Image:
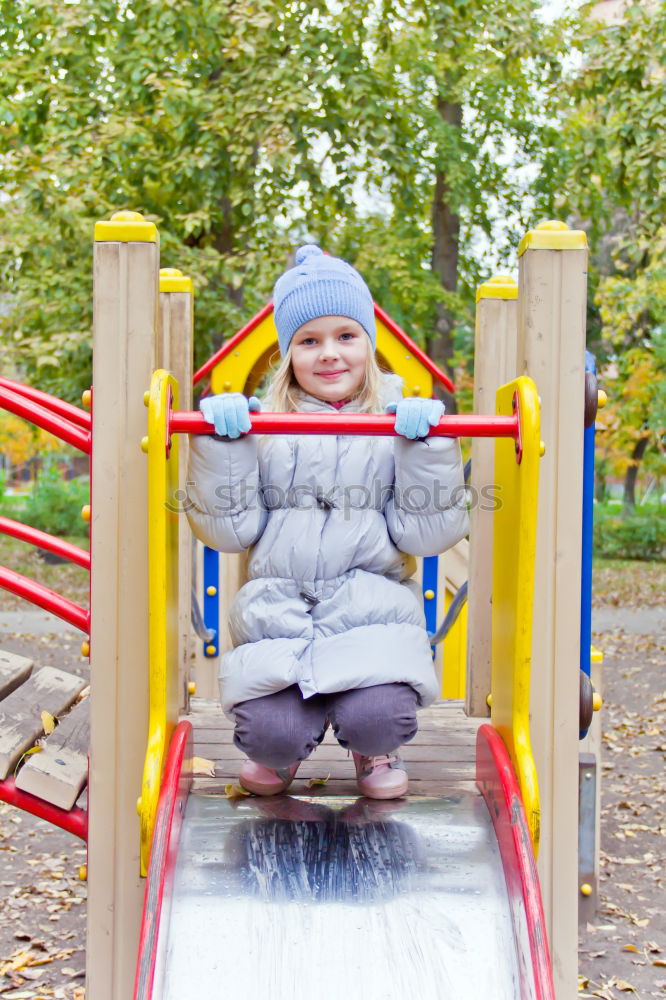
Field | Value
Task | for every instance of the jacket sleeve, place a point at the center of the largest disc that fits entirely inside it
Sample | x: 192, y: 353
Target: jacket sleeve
x: 224, y: 503
x: 427, y: 513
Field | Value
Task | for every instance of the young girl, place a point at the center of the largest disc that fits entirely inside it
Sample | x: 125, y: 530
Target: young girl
x: 329, y: 628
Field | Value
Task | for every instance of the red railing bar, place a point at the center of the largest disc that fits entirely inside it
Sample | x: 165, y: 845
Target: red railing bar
x: 231, y: 344
x: 73, y: 820
x: 59, y: 406
x: 356, y: 423
x: 37, y: 414
x: 45, y: 598
x: 45, y: 541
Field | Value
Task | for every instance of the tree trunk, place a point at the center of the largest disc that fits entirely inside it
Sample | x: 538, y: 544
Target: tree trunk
x: 631, y: 475
x: 446, y: 230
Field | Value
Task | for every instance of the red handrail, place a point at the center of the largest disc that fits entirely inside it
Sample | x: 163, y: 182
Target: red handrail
x: 73, y: 820
x: 72, y: 553
x: 463, y: 425
x: 58, y: 406
x: 45, y: 598
x: 45, y: 418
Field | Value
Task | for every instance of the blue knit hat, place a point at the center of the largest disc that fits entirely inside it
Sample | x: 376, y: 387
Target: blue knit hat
x: 320, y: 285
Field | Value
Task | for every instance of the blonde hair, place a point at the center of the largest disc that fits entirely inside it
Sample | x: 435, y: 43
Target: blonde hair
x: 283, y: 393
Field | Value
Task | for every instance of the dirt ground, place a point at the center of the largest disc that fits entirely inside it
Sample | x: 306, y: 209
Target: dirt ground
x: 622, y: 953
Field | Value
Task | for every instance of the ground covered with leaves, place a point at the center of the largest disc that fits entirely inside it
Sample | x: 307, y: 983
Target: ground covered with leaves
x: 622, y: 953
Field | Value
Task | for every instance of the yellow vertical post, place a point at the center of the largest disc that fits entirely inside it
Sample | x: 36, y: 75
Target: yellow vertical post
x: 126, y: 263
x: 551, y: 342
x: 494, y: 365
x: 174, y: 353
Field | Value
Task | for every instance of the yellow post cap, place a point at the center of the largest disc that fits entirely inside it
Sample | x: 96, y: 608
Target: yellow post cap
x: 552, y: 234
x: 126, y: 227
x: 500, y: 286
x: 86, y: 398
x: 85, y: 512
x: 173, y: 280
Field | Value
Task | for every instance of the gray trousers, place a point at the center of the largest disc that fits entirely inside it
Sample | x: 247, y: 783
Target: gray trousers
x: 281, y: 728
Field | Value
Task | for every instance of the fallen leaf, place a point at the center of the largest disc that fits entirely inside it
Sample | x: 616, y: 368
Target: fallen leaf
x: 201, y: 765
x: 48, y: 722
x: 314, y: 782
x: 235, y: 791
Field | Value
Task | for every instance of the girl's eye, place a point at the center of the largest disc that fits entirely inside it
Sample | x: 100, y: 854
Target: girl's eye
x: 352, y: 335
x: 308, y: 340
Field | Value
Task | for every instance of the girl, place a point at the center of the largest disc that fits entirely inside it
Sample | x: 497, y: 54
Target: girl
x: 329, y: 627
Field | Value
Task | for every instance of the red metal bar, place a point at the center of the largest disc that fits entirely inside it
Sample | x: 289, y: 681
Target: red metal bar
x: 45, y: 598
x: 356, y: 423
x: 73, y: 820
x: 72, y: 553
x: 414, y: 349
x: 232, y: 343
x: 170, y: 810
x: 499, y: 786
x: 45, y: 418
x: 74, y: 414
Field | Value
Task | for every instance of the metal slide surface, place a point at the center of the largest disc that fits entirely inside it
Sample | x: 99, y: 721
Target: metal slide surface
x: 295, y: 898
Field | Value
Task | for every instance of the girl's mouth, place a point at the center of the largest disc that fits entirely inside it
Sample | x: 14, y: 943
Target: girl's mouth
x: 330, y: 374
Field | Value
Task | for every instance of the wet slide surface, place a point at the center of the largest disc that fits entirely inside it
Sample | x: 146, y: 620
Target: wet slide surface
x: 339, y: 897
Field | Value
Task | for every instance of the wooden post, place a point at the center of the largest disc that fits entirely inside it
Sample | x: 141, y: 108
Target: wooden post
x: 126, y: 264
x: 494, y: 365
x: 551, y: 346
x: 174, y: 353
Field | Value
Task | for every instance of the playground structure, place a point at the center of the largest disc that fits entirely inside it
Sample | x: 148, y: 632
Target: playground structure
x: 143, y: 328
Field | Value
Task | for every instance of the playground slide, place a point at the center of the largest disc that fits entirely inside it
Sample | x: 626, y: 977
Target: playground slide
x: 340, y: 897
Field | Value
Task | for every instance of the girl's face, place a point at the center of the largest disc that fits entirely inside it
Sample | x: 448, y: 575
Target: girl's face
x: 329, y: 356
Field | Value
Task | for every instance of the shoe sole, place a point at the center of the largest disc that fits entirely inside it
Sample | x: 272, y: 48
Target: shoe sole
x: 385, y: 793
x: 257, y: 789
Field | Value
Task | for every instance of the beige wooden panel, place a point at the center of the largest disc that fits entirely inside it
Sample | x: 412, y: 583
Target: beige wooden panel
x: 60, y: 771
x: 47, y: 690
x: 494, y: 365
x: 125, y: 313
x: 174, y: 353
x: 14, y: 670
x: 551, y: 340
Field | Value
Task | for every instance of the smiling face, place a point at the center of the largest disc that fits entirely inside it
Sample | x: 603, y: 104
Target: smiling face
x: 328, y: 356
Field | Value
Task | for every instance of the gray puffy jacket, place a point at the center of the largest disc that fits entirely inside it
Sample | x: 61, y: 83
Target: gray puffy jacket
x: 332, y: 520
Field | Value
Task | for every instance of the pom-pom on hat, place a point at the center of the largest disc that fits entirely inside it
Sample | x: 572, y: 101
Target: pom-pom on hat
x: 320, y: 285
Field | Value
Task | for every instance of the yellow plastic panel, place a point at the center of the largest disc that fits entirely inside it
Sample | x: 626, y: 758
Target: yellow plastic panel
x: 553, y: 235
x: 126, y: 227
x: 514, y: 550
x: 454, y: 667
x: 163, y: 600
x: 500, y: 286
x: 173, y: 280
x: 244, y: 368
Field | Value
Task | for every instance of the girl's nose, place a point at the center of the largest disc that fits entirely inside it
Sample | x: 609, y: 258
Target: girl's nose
x: 329, y: 349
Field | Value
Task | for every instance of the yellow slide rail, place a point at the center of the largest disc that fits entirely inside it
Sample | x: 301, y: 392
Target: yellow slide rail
x: 514, y: 553
x: 163, y: 596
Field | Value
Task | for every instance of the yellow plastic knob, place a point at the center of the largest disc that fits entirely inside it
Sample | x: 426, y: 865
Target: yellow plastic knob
x: 145, y: 445
x: 227, y: 386
x: 146, y: 397
x: 211, y: 591
x: 586, y: 889
x: 602, y: 399
x: 597, y: 701
x: 489, y: 701
x: 428, y: 594
x: 542, y: 449
x: 211, y: 650
x: 191, y: 688
x: 85, y: 512
x: 83, y: 873
x: 138, y: 806
x: 85, y: 648
x: 417, y: 390
x: 86, y: 398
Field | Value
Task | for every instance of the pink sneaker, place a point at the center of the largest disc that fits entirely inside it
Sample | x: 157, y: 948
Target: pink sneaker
x: 382, y: 777
x: 263, y: 780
